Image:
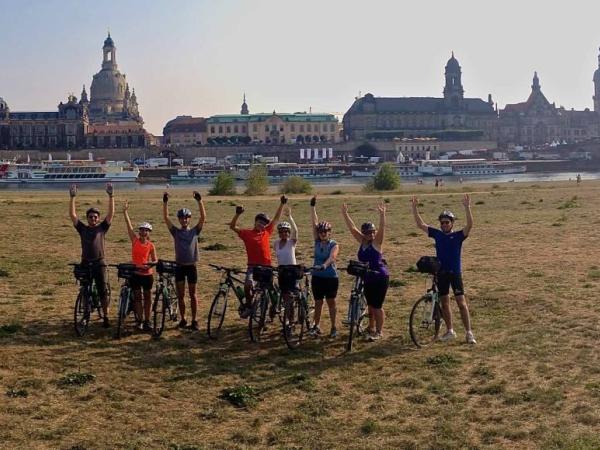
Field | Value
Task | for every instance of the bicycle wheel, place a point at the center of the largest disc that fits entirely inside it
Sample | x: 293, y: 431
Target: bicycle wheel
x: 354, y: 312
x: 159, y: 312
x: 425, y: 321
x: 216, y: 314
x: 81, y: 313
x: 293, y: 320
x: 123, y: 310
x: 256, y: 321
x: 173, y: 302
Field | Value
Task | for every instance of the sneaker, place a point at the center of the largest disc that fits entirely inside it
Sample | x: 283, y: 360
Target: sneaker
x: 333, y: 334
x: 315, y: 331
x: 470, y: 338
x: 346, y: 321
x: 194, y: 326
x: 139, y: 326
x: 182, y: 323
x: 105, y: 323
x: 375, y: 336
x: 450, y: 335
x: 146, y: 326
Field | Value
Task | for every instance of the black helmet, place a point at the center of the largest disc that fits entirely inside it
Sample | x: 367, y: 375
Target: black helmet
x: 446, y: 214
x: 323, y: 226
x: 262, y: 217
x: 184, y: 212
x: 92, y: 211
x: 367, y: 226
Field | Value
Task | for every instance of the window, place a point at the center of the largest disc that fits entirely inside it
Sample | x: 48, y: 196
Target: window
x: 309, y: 127
x: 228, y: 129
x: 254, y: 128
x: 301, y: 128
x: 244, y: 129
x: 235, y: 129
x: 293, y: 127
x: 220, y: 129
x: 212, y: 129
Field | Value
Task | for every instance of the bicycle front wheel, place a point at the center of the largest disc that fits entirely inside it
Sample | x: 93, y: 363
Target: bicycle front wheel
x: 122, y: 311
x: 216, y: 314
x: 293, y: 319
x: 256, y: 321
x: 81, y: 313
x: 425, y: 321
x: 354, y: 313
x: 159, y: 311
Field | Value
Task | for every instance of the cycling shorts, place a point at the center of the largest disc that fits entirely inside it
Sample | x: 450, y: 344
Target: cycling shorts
x: 144, y: 282
x: 323, y: 287
x: 447, y: 279
x: 188, y: 272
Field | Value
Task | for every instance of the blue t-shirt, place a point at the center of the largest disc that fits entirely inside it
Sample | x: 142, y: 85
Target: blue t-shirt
x: 448, y: 247
x: 186, y: 245
x: 322, y: 252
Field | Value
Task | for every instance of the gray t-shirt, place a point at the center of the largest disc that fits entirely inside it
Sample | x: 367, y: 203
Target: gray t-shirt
x: 186, y: 244
x: 92, y: 240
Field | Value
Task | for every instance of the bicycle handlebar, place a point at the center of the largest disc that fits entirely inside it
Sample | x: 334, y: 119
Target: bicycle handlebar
x: 227, y: 269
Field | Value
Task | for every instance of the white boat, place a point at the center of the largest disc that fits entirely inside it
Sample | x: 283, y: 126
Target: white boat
x: 73, y: 171
x: 486, y: 168
x: 208, y: 173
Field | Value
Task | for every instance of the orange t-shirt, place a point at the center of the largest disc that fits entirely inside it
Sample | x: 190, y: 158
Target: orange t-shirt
x: 140, y: 253
x: 258, y: 246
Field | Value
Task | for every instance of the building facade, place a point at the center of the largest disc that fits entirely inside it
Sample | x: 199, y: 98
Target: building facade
x: 452, y: 117
x: 416, y: 149
x: 185, y: 130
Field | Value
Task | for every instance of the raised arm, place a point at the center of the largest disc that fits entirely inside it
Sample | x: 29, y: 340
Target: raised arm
x: 239, y: 210
x: 282, y: 201
x: 381, y: 230
x: 72, y: 211
x: 294, y: 231
x: 130, y: 231
x: 418, y: 220
x: 313, y: 216
x: 202, y: 211
x: 355, y: 232
x: 111, y: 203
x: 469, y: 214
x: 166, y: 211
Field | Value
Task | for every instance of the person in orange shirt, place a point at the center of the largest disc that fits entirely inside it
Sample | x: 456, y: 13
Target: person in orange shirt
x: 258, y: 246
x: 142, y: 252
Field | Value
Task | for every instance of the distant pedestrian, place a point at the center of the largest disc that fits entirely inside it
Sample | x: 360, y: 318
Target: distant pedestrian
x: 437, y: 183
x: 578, y: 179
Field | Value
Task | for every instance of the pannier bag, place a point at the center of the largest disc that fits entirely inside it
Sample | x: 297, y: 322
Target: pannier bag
x: 357, y: 269
x: 428, y: 264
x: 262, y: 274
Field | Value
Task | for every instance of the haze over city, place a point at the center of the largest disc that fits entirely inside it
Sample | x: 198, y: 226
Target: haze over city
x: 200, y: 57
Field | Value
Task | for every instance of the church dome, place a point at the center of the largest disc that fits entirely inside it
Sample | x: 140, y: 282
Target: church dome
x: 108, y: 42
x: 452, y: 63
x: 3, y: 104
x: 108, y: 85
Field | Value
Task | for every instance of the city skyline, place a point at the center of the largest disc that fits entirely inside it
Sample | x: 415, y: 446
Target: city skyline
x: 200, y: 58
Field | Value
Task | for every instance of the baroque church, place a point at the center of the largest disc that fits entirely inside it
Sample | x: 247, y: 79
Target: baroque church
x: 452, y: 117
x: 109, y: 118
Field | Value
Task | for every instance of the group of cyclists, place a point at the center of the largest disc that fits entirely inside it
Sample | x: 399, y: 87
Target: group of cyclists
x: 257, y: 242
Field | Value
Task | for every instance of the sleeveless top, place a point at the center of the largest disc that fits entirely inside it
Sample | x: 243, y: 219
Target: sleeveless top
x: 375, y: 260
x: 322, y: 252
x: 140, y: 254
x: 286, y: 255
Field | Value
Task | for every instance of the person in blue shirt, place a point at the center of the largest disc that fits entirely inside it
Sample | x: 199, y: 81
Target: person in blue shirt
x: 448, y: 246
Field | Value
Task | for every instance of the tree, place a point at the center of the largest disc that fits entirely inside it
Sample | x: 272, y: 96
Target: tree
x: 257, y: 182
x: 224, y: 184
x: 386, y: 179
x: 296, y: 185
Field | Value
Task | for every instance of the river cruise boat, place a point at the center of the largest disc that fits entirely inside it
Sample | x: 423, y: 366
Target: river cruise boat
x: 72, y: 171
x: 280, y: 171
x: 475, y: 168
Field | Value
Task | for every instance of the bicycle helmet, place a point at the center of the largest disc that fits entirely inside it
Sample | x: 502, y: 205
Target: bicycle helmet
x: 446, y: 214
x: 92, y: 211
x: 323, y: 226
x: 367, y: 226
x: 184, y: 212
x: 262, y: 217
x: 145, y: 225
x: 283, y: 226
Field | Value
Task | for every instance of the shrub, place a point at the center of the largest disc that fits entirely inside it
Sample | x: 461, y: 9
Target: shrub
x: 215, y: 247
x: 76, y: 379
x: 224, y: 184
x: 296, y: 185
x: 240, y: 396
x: 386, y: 179
x: 336, y: 192
x: 257, y: 182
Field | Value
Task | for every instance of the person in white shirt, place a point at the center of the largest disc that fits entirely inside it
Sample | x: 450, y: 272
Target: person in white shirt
x: 285, y: 252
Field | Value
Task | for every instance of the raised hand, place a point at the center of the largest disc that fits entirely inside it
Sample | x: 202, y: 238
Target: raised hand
x: 288, y: 211
x: 109, y: 189
x: 73, y: 190
x: 283, y: 199
x: 467, y: 201
x: 345, y: 208
x: 414, y: 201
x: 197, y: 196
x: 381, y: 208
x: 166, y: 197
x: 126, y: 206
x: 239, y: 209
x: 313, y: 201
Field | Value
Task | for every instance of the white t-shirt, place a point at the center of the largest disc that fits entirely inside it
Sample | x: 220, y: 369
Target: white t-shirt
x: 286, y: 255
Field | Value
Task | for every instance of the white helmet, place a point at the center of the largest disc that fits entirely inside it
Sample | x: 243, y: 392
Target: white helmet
x: 145, y: 225
x: 283, y: 226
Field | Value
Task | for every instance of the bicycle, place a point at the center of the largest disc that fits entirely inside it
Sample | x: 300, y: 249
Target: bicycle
x: 126, y: 299
x: 357, y: 305
x: 165, y: 296
x: 88, y: 298
x: 295, y: 306
x: 264, y: 293
x: 426, y: 315
x: 218, y: 308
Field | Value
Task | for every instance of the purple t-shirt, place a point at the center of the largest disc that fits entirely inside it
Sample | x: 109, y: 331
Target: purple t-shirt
x: 375, y: 260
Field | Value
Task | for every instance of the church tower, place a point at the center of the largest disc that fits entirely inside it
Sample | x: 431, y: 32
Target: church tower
x: 244, y: 110
x: 597, y: 87
x: 453, y: 90
x: 109, y: 51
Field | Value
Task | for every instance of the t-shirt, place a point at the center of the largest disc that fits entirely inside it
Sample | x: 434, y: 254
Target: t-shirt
x: 92, y: 240
x: 286, y: 255
x: 448, y: 247
x: 257, y: 244
x: 140, y: 255
x: 322, y: 252
x: 186, y: 245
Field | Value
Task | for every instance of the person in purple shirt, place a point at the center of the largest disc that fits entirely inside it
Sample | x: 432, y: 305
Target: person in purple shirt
x: 448, y: 246
x: 371, y: 251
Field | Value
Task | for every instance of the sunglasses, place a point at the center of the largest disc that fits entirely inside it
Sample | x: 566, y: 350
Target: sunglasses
x: 370, y: 232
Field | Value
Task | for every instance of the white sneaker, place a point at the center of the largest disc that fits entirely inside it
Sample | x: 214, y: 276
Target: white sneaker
x: 314, y: 331
x: 375, y: 337
x: 470, y: 338
x: 449, y: 336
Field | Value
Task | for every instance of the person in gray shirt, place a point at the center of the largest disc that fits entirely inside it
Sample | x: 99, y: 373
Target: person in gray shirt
x: 186, y: 255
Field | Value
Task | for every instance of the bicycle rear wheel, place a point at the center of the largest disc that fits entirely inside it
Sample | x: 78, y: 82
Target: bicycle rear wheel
x: 216, y: 314
x: 425, y: 321
x: 173, y: 302
x: 293, y: 319
x: 159, y: 312
x: 256, y: 321
x: 81, y: 313
x: 123, y: 310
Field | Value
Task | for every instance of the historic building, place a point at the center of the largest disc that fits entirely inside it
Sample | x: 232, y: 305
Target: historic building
x: 185, y: 130
x: 537, y: 122
x: 452, y: 117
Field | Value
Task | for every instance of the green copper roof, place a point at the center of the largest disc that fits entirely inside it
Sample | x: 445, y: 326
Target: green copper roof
x: 261, y: 117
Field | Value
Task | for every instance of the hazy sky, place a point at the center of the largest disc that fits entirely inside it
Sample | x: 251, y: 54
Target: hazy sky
x: 199, y: 57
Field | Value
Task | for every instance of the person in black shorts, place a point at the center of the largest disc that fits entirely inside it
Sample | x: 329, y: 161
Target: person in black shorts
x: 448, y: 246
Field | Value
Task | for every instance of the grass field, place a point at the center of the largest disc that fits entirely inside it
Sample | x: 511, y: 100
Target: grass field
x: 531, y: 275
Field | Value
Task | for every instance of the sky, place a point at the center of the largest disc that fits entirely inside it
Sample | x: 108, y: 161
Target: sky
x: 199, y: 57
